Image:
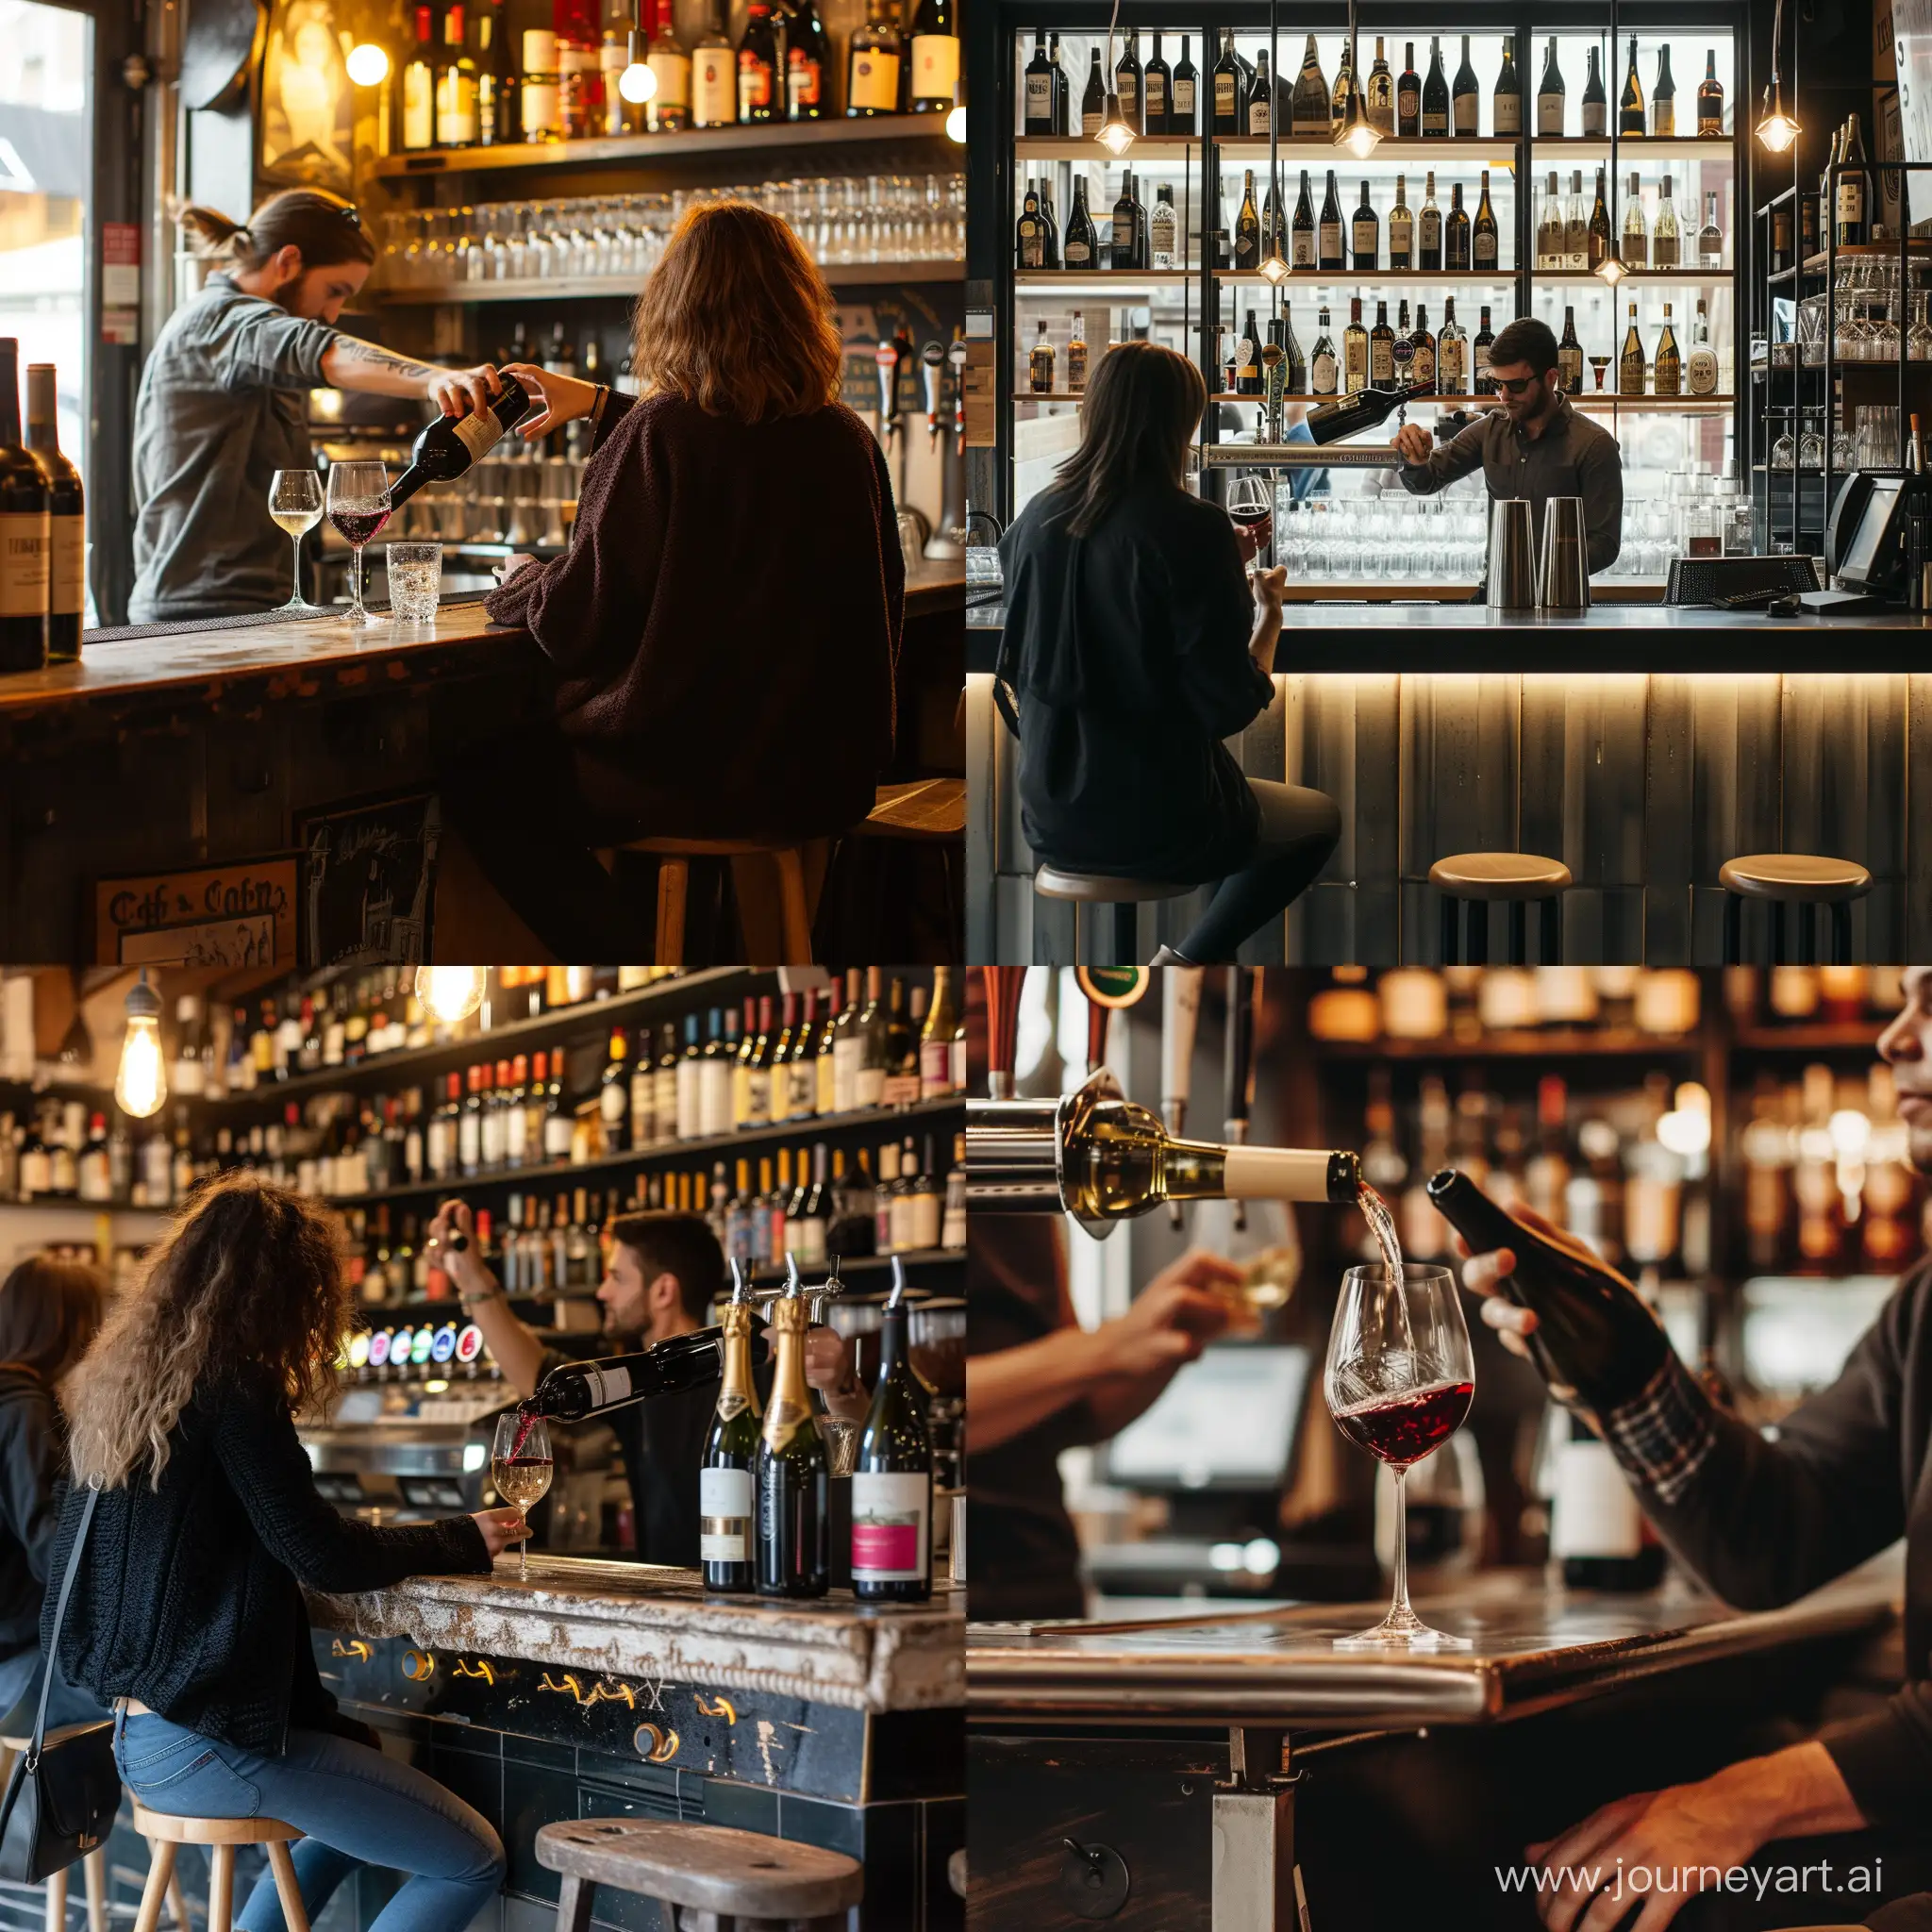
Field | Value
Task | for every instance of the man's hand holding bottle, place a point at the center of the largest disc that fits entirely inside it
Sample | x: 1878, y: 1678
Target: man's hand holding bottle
x: 452, y: 1236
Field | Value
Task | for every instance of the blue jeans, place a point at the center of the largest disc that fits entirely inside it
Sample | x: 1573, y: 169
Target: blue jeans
x: 354, y: 1806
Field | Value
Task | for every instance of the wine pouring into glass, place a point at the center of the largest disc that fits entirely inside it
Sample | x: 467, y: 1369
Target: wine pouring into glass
x: 521, y: 1467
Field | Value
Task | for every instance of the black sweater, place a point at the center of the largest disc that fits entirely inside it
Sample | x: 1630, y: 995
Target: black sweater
x: 32, y: 1465
x: 187, y: 1598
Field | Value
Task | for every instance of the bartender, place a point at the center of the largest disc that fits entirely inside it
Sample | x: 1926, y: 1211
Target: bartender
x: 224, y: 400
x: 1763, y: 1521
x: 665, y: 1272
x: 1537, y: 446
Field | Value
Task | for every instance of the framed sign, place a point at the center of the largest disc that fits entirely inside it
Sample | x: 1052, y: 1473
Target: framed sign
x: 307, y: 106
x: 239, y: 915
x: 369, y: 883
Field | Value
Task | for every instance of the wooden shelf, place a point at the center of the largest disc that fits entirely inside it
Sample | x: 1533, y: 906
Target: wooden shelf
x: 1552, y: 1042
x: 1348, y: 278
x: 1633, y: 148
x: 1105, y: 280
x: 1585, y: 278
x: 849, y: 274
x: 1074, y: 147
x: 1866, y: 251
x: 1814, y: 1036
x: 1391, y: 155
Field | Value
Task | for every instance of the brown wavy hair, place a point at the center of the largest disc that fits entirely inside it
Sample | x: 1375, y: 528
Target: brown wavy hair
x: 324, y: 226
x: 736, y: 319
x: 1143, y: 405
x: 50, y: 1312
x: 248, y: 1280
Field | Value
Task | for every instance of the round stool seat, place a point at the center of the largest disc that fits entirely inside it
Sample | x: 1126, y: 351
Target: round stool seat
x: 709, y: 1867
x: 178, y: 1830
x: 1102, y: 888
x: 1499, y: 876
x: 1795, y: 878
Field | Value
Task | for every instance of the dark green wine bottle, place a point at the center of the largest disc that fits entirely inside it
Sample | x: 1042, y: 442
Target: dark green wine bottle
x: 892, y: 1478
x: 791, y: 1476
x: 725, y: 1542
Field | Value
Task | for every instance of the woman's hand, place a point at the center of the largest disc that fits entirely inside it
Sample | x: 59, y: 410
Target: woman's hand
x: 1270, y: 586
x: 555, y: 398
x: 1249, y: 539
x: 503, y: 1529
x: 463, y: 392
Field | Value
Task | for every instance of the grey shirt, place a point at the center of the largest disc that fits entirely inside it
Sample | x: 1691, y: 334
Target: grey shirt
x: 1572, y: 457
x: 221, y: 409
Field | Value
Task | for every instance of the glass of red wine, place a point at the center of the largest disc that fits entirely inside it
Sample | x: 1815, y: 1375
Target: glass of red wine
x: 1399, y: 1382
x: 358, y: 507
x: 1251, y: 503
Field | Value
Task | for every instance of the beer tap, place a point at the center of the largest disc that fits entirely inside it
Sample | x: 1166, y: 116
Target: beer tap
x: 932, y: 364
x: 1180, y: 1008
x: 1003, y: 986
x: 947, y: 543
x: 1239, y: 1065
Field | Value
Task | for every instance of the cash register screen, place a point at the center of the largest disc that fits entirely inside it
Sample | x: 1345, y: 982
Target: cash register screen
x: 1228, y: 1421
x: 1862, y: 555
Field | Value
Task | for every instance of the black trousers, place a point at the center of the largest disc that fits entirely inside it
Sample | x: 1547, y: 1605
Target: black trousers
x: 1300, y: 828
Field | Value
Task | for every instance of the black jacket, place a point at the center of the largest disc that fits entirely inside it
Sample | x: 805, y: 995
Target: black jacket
x: 187, y: 1596
x: 32, y: 1467
x: 1127, y: 654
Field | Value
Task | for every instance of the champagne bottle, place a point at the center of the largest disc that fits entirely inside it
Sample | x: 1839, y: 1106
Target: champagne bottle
x: 725, y: 1481
x: 574, y: 1391
x: 1308, y: 110
x: 892, y: 1475
x: 1595, y: 1342
x: 1550, y: 96
x: 25, y: 531
x: 67, y: 510
x: 791, y: 1476
x: 1630, y: 103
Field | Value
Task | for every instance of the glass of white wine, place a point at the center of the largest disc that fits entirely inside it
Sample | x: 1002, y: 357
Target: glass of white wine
x: 294, y: 502
x: 520, y: 1465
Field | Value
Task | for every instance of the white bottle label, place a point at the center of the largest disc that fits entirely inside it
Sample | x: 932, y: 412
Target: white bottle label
x: 1700, y: 371
x: 469, y: 1139
x: 1549, y: 114
x: 935, y: 67
x: 1038, y: 97
x: 725, y: 1509
x: 891, y: 1528
x: 689, y: 1087
x: 1184, y: 101
x: 714, y: 1089
x: 1850, y: 199
x: 1593, y: 1511
x: 923, y: 1221
x: 608, y: 1386
x: 875, y: 81
x: 610, y: 1102
x: 1401, y: 237
x: 664, y: 1102
x: 717, y: 88
x: 1508, y: 114
x: 478, y: 432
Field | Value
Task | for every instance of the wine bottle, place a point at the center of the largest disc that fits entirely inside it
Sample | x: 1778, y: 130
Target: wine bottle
x: 725, y: 1504
x: 415, y: 95
x: 1853, y: 205
x: 67, y: 512
x: 668, y: 110
x: 1063, y: 89
x: 1596, y: 101
x: 1401, y: 349
x: 1549, y: 228
x: 1575, y: 225
x: 1260, y: 99
x: 1323, y: 366
x: 574, y: 1391
x: 934, y: 53
x: 1381, y: 353
x: 1302, y: 240
x: 1483, y: 237
x: 872, y: 66
x: 1127, y: 226
x: 1452, y: 353
x: 1027, y: 250
x: 791, y: 1476
x: 1710, y: 100
x: 1247, y: 228
x: 1700, y: 365
x: 1401, y: 227
x: 445, y: 448
x: 1126, y: 82
x: 1040, y: 359
x: 1378, y: 94
x: 1550, y: 96
x: 1329, y: 253
x: 1663, y: 99
x: 1435, y: 95
x: 1667, y: 366
x: 1248, y: 359
x: 1429, y: 228
x: 1081, y: 247
x: 1630, y: 364
x: 1422, y: 355
x: 1594, y: 1341
x: 1506, y: 103
x: 1710, y: 238
x: 1663, y: 237
x: 1164, y: 229
x: 1466, y: 97
x: 1156, y: 88
x: 758, y: 70
x: 1330, y: 423
x: 892, y: 1475
x: 499, y: 108
x: 1365, y: 234
x: 1630, y: 103
x: 1456, y: 233
x: 1181, y: 98
x: 1408, y: 96
x: 1570, y: 355
x: 715, y: 76
x: 1038, y: 116
x: 1230, y: 93
x: 1598, y: 239
x: 25, y: 531
x: 1634, y: 250
x: 1483, y: 383
x: 1354, y: 350
x: 1310, y: 107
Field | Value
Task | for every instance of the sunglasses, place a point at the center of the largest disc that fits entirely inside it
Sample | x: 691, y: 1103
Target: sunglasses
x: 1515, y: 385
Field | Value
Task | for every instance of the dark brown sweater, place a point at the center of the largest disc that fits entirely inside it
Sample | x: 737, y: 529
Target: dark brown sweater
x: 725, y: 623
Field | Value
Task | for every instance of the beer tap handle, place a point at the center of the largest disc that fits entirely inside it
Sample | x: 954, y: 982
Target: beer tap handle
x: 1097, y: 1017
x: 932, y: 360
x: 1003, y: 986
x: 1240, y: 1064
x: 740, y: 1288
x: 887, y: 358
x: 1180, y: 1008
x: 957, y: 359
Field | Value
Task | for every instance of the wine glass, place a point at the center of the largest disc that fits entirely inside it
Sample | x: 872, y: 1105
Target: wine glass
x: 1251, y: 503
x: 1399, y: 1381
x: 358, y: 507
x: 520, y: 1466
x: 294, y: 505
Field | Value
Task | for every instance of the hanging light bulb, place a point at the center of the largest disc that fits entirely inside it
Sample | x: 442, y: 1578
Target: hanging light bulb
x: 1115, y: 136
x: 1356, y: 133
x: 141, y: 1081
x: 368, y: 63
x: 1776, y: 131
x: 450, y: 993
x: 1273, y: 268
x: 1610, y: 270
x: 955, y: 117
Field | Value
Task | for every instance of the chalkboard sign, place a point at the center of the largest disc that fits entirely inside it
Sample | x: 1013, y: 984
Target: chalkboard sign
x: 243, y: 913
x: 369, y: 883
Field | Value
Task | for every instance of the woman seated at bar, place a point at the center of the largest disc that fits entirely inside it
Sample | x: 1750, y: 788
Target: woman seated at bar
x: 187, y: 1611
x: 1133, y: 646
x: 224, y: 396
x: 50, y: 1311
x: 724, y: 628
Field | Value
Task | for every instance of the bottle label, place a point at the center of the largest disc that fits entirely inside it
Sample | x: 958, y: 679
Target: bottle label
x: 1304, y: 256
x: 673, y: 68
x: 1321, y: 376
x: 783, y: 1421
x: 1224, y: 96
x: 935, y: 1068
x: 1079, y: 256
x: 1549, y: 114
x: 1331, y: 239
x: 608, y: 1386
x: 754, y: 85
x: 1700, y: 371
x: 1432, y: 232
x: 1421, y: 366
x: 557, y: 1127
x: 1593, y: 1511
x: 1184, y: 100
x: 1595, y: 120
x: 478, y: 432
x: 1449, y: 368
x: 891, y: 1527
x: 610, y: 1102
x: 868, y: 1086
x: 1485, y: 250
x: 717, y: 85
x: 1364, y: 243
x: 874, y: 80
x: 724, y: 1512
x: 1039, y: 97
x: 456, y: 107
x: 1157, y: 97
x: 935, y: 67
x: 1122, y: 234
x: 25, y: 542
x: 419, y: 105
x: 543, y: 112
x: 1257, y: 117
x: 1381, y: 362
x: 1401, y: 237
x: 1851, y: 200
x: 1508, y: 113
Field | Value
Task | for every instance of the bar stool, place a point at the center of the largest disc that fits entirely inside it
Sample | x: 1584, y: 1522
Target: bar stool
x: 93, y: 1864
x: 725, y: 1880
x: 673, y: 882
x: 1103, y: 889
x: 1475, y: 879
x: 164, y: 1832
x: 1792, y: 878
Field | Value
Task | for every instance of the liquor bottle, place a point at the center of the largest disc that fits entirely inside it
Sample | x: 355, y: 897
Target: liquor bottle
x: 1076, y: 355
x: 1597, y: 1531
x: 1700, y: 365
x: 574, y: 1391
x: 1040, y: 361
x: 1329, y: 423
x: 1421, y: 353
x: 935, y: 58
x: 1365, y: 236
x: 1230, y: 90
x: 714, y: 75
x: 1049, y: 232
x: 1324, y: 369
x: 1381, y: 352
x: 1570, y: 355
x: 1634, y: 250
x: 1663, y: 99
x: 499, y: 106
x: 1595, y: 1342
x: 1710, y: 238
x: 1452, y: 353
x: 67, y: 521
x: 1248, y: 359
x: 1378, y: 93
x: 1549, y: 226
x: 1247, y: 228
x: 757, y: 67
x: 416, y: 87
x: 1260, y: 99
x: 1129, y: 228
x: 1669, y: 369
x: 1663, y: 237
x: 1301, y: 231
x: 1328, y: 248
x: 1483, y: 237
x: 1429, y: 228
x: 1027, y: 252
x: 1630, y: 103
x: 1575, y: 225
x: 1506, y: 103
x: 1550, y: 96
x: 1309, y: 108
x: 669, y: 109
x: 789, y: 1478
x: 1181, y: 102
x: 1435, y: 95
x: 1630, y: 364
x: 1354, y: 350
x: 1598, y: 244
x: 1710, y: 100
x: 1483, y: 383
x: 1163, y: 229
x: 1853, y: 205
x: 1466, y: 97
x: 1401, y: 228
x: 1039, y: 91
x: 1080, y: 248
x: 1408, y: 96
x: 872, y: 66
x: 891, y: 1474
x: 456, y: 84
x: 445, y: 448
x: 1156, y: 89
x: 1401, y: 349
x: 1126, y: 83
x: 725, y: 1479
x: 1456, y: 234
x: 1596, y: 104
x: 25, y: 531
x: 808, y: 63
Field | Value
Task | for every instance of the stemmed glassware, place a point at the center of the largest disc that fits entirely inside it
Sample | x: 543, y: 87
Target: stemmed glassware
x: 358, y: 507
x: 295, y: 503
x: 1251, y: 503
x: 1399, y: 1382
x: 521, y: 1467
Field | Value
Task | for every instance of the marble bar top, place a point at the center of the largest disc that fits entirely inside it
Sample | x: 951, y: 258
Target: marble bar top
x: 639, y: 1620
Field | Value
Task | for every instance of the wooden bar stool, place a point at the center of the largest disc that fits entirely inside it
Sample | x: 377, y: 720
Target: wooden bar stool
x: 93, y: 1865
x: 705, y: 1877
x: 1103, y: 889
x: 164, y: 1831
x: 673, y: 882
x: 1792, y: 878
x: 1476, y: 880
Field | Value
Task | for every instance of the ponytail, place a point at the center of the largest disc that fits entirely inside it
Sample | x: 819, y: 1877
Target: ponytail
x: 324, y: 226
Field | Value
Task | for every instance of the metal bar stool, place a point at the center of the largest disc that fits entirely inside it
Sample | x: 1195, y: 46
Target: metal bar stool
x: 1475, y: 879
x: 164, y: 1832
x: 673, y: 883
x: 1792, y: 878
x: 93, y: 1865
x: 705, y: 1877
x: 1103, y: 889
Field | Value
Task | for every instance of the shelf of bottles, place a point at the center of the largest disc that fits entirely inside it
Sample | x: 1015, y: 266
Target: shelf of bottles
x: 1543, y: 174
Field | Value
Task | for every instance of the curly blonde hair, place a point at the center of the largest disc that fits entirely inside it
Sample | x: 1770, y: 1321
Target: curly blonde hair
x: 248, y: 1279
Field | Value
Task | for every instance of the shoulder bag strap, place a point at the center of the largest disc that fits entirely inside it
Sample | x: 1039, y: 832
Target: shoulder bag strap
x: 51, y: 1665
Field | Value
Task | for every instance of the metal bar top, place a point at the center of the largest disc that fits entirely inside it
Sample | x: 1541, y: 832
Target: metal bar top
x: 1536, y: 1646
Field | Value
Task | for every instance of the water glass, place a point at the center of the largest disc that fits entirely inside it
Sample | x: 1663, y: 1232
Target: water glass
x: 415, y: 581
